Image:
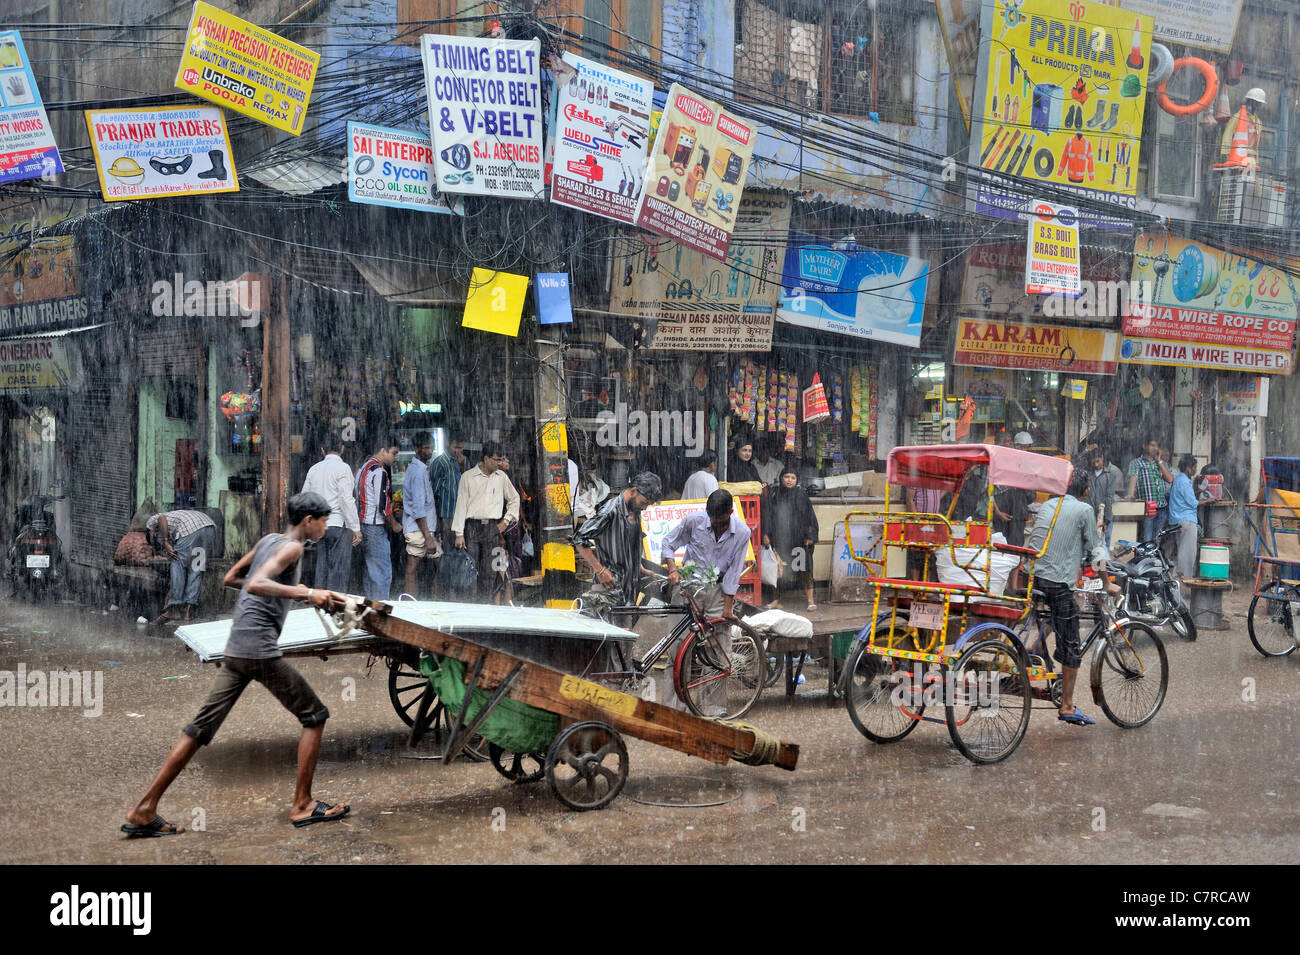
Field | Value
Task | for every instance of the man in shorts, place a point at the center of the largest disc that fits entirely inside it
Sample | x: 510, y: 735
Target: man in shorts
x: 267, y: 580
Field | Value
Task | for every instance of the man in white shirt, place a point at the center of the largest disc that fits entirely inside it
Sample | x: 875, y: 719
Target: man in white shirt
x: 332, y: 479
x: 703, y: 482
x: 486, y: 504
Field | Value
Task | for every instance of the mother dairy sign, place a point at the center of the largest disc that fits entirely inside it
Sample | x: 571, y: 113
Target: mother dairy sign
x: 855, y: 292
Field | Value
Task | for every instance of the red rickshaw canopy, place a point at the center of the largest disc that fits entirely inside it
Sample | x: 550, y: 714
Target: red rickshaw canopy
x: 943, y: 467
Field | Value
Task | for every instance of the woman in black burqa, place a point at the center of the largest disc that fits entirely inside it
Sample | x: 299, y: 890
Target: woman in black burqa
x: 790, y: 528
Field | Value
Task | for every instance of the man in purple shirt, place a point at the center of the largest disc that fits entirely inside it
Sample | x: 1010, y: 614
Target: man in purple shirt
x: 717, y: 539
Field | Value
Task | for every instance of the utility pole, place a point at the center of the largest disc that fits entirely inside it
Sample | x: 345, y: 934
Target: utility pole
x: 559, y: 585
x: 275, y: 406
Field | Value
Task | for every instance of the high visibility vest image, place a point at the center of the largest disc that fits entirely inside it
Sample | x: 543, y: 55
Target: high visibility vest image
x: 1076, y: 159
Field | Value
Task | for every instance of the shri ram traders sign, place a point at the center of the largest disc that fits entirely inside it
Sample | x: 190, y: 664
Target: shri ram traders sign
x: 242, y: 67
x: 485, y: 114
x: 146, y: 153
x: 27, y: 147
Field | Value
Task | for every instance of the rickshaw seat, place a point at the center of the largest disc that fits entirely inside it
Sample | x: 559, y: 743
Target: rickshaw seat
x: 927, y: 584
x: 997, y: 611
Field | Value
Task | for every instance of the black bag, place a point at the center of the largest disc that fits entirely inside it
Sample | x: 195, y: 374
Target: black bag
x: 457, y: 575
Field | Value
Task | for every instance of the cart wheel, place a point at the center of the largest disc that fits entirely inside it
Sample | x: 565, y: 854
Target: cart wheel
x: 476, y: 750
x: 587, y: 765
x: 1273, y: 619
x: 988, y: 698
x: 1130, y: 674
x: 869, y: 686
x: 517, y: 767
x: 406, y: 685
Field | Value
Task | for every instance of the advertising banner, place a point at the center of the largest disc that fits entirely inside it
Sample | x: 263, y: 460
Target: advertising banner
x: 39, y: 283
x: 994, y: 284
x: 960, y: 22
x: 27, y: 147
x: 698, y: 167
x: 1052, y: 251
x: 854, y: 291
x: 176, y: 151
x: 603, y: 129
x: 393, y: 167
x: 32, y: 363
x: 658, y: 521
x: 691, y: 302
x: 1207, y: 296
x: 1202, y: 24
x: 1078, y: 351
x: 1152, y: 351
x: 1243, y: 396
x: 1060, y: 99
x: 235, y: 64
x: 485, y: 113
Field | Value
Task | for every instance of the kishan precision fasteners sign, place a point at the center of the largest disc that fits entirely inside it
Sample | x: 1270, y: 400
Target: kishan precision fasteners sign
x: 242, y: 67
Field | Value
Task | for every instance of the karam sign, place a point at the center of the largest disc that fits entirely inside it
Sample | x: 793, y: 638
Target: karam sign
x: 1078, y: 351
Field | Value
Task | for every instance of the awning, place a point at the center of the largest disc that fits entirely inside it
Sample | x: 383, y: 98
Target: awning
x: 943, y: 467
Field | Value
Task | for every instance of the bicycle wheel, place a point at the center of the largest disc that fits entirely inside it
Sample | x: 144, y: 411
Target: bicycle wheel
x: 987, y: 700
x: 1130, y: 674
x: 719, y: 677
x: 1274, y: 616
x: 869, y: 685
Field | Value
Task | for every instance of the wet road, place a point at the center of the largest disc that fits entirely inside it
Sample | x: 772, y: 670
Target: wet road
x: 1215, y: 778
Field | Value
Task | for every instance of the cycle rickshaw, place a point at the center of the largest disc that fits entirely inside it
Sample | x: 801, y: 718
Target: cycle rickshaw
x: 947, y: 633
x: 1274, y: 616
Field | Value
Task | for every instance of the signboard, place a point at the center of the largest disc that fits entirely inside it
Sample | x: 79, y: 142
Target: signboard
x: 848, y: 576
x: 32, y: 363
x: 174, y: 151
x: 689, y: 302
x: 485, y: 112
x: 658, y: 521
x: 235, y: 64
x: 994, y: 285
x: 1079, y: 351
x: 960, y: 22
x: 1202, y: 24
x: 27, y: 147
x: 495, y: 302
x: 697, y: 172
x: 1243, y: 396
x: 1052, y: 251
x: 1201, y: 295
x: 1061, y: 98
x: 39, y: 281
x: 554, y: 305
x: 854, y: 291
x: 1152, y: 351
x: 601, y: 134
x: 393, y: 167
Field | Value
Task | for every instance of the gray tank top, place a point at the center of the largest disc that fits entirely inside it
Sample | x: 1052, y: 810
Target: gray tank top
x: 255, y: 631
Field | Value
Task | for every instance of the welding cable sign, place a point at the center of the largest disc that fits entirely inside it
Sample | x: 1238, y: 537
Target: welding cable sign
x: 697, y: 172
x: 146, y: 153
x: 242, y: 67
x: 27, y: 147
x: 1052, y: 255
x: 600, y: 144
x: 393, y: 167
x: 485, y: 115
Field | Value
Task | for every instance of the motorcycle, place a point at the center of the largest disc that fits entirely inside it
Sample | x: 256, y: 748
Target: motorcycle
x: 35, y: 553
x: 1150, y: 590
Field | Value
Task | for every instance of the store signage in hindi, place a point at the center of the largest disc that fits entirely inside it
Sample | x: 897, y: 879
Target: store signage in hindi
x: 27, y: 363
x: 602, y: 132
x: 960, y: 22
x: 1060, y: 99
x: 254, y: 72
x: 698, y: 168
x: 853, y: 291
x: 394, y: 167
x: 27, y: 148
x: 1202, y: 296
x: 1077, y: 351
x: 152, y: 153
x: 689, y: 301
x: 1201, y: 24
x: 485, y: 113
x: 1243, y: 396
x: 1052, y: 251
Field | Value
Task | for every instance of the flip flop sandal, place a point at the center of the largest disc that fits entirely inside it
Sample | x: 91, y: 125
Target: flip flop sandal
x: 158, y: 826
x: 1076, y: 718
x: 320, y: 813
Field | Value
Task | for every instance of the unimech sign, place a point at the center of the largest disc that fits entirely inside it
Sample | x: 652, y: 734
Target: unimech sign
x: 693, y: 108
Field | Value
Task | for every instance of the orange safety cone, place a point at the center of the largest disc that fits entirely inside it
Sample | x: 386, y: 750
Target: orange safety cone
x: 1239, y: 153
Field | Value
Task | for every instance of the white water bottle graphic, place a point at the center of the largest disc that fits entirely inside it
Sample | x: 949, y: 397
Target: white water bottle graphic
x: 887, y: 300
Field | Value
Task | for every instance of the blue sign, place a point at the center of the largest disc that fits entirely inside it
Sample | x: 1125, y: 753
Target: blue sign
x: 553, y: 304
x: 854, y: 291
x: 27, y: 147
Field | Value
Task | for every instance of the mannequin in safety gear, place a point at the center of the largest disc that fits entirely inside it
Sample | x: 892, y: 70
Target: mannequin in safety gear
x: 1250, y: 108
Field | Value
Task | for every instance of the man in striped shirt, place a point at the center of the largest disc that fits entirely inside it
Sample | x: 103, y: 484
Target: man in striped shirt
x: 444, y: 476
x: 375, y: 502
x: 188, y: 538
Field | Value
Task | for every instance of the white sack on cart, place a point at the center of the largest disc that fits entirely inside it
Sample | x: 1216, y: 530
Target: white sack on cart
x: 977, y: 558
x: 780, y: 623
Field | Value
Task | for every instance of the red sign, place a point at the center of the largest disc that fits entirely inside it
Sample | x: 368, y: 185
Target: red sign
x: 734, y: 130
x: 694, y: 109
x: 1211, y: 328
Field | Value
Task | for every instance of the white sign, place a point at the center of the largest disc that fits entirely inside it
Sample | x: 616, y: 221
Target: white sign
x: 1203, y: 24
x: 1151, y: 351
x: 1052, y: 250
x: 147, y: 153
x: 658, y: 521
x: 603, y: 130
x: 393, y: 167
x: 485, y: 114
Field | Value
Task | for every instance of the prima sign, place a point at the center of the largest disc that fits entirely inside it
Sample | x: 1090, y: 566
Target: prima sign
x: 240, y: 298
x: 656, y: 429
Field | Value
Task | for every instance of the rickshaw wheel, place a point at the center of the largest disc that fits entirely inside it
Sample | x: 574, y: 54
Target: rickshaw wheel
x: 988, y: 699
x: 517, y: 767
x: 587, y: 765
x: 1273, y: 618
x: 868, y: 694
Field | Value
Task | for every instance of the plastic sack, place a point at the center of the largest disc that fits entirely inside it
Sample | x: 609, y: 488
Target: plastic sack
x: 780, y: 623
x: 976, y: 559
x: 526, y: 545
x: 457, y: 575
x: 771, y: 566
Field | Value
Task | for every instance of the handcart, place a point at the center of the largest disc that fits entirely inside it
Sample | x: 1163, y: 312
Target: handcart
x: 945, y: 633
x: 1274, y: 618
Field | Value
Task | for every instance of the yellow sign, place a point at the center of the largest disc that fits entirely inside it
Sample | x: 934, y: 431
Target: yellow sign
x: 555, y: 438
x: 32, y: 363
x: 1065, y: 94
x: 231, y: 62
x: 1076, y: 388
x: 496, y: 302
x: 571, y: 688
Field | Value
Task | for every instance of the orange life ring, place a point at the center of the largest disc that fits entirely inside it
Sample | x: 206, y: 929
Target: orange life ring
x: 1190, y: 109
